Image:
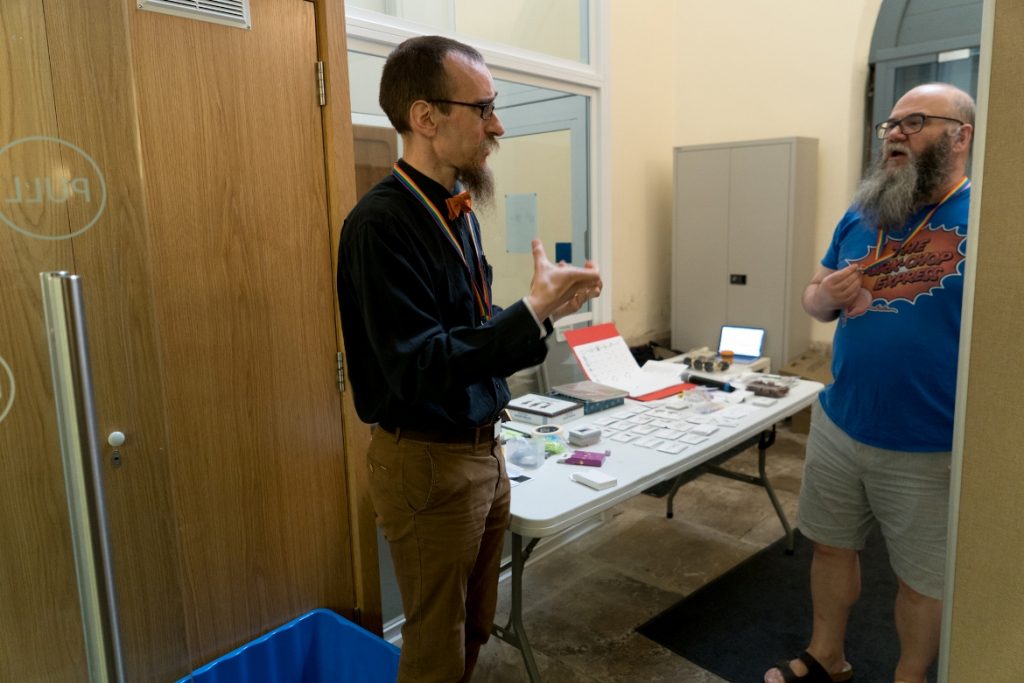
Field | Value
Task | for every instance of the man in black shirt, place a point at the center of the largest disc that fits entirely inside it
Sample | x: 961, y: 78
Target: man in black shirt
x: 429, y: 353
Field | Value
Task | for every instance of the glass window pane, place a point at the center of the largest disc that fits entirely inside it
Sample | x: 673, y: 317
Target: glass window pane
x: 558, y: 28
x: 364, y: 73
x: 963, y: 73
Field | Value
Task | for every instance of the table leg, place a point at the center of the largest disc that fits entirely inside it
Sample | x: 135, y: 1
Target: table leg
x: 766, y: 441
x: 514, y: 633
x: 670, y: 499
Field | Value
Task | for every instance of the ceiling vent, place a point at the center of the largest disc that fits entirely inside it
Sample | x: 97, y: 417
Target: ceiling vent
x: 230, y: 12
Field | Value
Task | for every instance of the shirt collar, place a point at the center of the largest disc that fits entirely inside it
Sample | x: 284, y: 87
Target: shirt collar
x: 435, y: 191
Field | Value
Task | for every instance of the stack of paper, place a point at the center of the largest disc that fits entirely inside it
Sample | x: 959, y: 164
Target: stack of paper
x: 604, y: 357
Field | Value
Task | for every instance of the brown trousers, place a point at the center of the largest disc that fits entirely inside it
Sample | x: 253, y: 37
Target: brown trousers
x: 444, y: 509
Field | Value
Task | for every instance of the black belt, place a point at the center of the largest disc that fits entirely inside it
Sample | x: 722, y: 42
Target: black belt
x: 473, y: 435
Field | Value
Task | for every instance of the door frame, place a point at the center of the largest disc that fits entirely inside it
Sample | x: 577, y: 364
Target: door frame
x: 339, y: 155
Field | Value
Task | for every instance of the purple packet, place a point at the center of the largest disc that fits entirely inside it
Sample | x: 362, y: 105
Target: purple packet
x: 589, y: 458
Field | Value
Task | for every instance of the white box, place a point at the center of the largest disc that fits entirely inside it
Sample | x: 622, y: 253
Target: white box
x: 595, y: 479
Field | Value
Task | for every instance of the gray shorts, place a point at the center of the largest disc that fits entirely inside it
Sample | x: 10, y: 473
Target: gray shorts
x: 848, y: 485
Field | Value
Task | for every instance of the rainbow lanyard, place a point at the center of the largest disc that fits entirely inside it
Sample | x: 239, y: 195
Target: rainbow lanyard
x: 481, y: 292
x: 883, y: 236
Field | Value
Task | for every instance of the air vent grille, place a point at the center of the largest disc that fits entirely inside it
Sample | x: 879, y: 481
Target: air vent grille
x: 230, y: 12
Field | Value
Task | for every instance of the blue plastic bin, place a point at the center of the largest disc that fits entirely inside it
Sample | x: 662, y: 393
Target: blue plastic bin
x: 318, y: 647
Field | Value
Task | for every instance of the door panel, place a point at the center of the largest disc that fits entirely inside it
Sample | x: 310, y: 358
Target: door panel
x: 40, y: 631
x: 95, y: 105
x: 375, y: 152
x: 232, y: 146
x: 209, y: 296
x: 758, y: 214
x: 700, y: 246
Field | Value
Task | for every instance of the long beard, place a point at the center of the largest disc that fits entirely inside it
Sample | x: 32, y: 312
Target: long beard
x: 479, y: 180
x: 887, y: 198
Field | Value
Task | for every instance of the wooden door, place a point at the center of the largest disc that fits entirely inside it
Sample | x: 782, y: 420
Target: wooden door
x: 209, y: 294
x: 40, y: 635
x: 375, y: 152
x: 243, y: 295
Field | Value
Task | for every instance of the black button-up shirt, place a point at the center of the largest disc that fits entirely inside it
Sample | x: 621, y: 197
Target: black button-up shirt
x: 418, y: 355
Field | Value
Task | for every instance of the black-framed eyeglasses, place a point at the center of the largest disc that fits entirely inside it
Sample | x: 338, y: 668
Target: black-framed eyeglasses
x: 909, y: 124
x: 485, y: 109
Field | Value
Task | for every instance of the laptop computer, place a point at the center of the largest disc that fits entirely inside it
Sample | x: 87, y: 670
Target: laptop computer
x: 745, y: 342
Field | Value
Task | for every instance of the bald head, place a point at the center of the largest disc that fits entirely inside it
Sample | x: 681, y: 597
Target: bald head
x: 948, y: 97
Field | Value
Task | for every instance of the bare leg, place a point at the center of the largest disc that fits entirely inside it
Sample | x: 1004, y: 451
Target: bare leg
x: 918, y: 623
x: 835, y: 587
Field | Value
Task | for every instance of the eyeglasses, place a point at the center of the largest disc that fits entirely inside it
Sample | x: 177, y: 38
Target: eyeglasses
x: 909, y: 124
x: 485, y: 109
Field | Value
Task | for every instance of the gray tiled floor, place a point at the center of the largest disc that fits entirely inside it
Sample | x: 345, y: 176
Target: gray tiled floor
x: 583, y: 601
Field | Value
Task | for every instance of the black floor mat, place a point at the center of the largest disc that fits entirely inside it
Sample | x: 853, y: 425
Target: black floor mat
x: 759, y: 612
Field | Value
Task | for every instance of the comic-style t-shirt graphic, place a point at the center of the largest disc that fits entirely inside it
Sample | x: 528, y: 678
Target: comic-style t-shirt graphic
x: 895, y: 351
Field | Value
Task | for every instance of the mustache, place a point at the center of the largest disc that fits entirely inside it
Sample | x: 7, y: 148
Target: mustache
x: 890, y: 147
x: 887, y: 197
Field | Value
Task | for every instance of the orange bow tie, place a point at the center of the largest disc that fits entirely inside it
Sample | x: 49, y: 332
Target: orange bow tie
x: 459, y: 203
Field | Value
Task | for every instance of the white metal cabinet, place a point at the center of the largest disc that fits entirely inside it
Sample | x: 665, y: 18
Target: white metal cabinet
x: 742, y: 242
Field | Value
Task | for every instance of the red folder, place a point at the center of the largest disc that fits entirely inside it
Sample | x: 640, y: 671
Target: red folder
x: 590, y: 334
x: 666, y: 392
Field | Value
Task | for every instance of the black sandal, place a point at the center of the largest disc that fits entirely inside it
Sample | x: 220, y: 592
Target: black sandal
x: 816, y: 673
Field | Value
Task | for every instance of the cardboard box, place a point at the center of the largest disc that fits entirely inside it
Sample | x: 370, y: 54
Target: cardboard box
x: 812, y: 365
x: 800, y: 423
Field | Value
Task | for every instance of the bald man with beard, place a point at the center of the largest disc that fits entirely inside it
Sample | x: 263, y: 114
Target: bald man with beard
x: 881, y: 434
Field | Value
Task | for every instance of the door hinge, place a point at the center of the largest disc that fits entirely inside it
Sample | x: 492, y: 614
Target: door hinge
x: 341, y: 371
x: 320, y: 89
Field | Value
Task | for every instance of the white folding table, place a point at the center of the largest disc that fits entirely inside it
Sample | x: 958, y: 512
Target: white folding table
x: 550, y: 502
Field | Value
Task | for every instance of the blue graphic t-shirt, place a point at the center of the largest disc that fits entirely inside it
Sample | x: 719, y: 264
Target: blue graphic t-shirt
x: 895, y: 358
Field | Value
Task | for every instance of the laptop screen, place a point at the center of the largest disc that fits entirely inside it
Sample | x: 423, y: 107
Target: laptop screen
x: 742, y: 341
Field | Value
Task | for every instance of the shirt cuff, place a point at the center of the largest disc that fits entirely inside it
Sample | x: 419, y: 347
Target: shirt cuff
x: 545, y: 327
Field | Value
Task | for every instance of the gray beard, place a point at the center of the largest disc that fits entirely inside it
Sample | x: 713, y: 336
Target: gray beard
x: 887, y: 198
x: 480, y: 183
x: 479, y: 180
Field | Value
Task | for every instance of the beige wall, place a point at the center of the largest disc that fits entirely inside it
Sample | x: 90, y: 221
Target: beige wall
x: 643, y: 110
x: 686, y: 72
x: 987, y: 611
